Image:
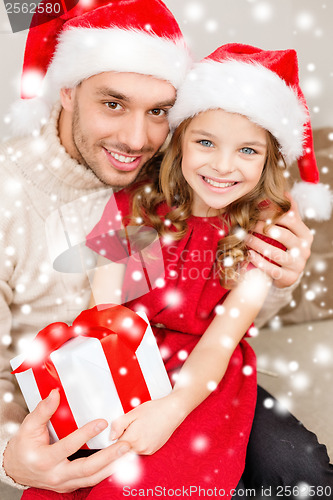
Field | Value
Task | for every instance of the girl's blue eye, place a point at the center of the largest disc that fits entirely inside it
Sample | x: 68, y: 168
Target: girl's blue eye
x: 206, y: 143
x: 248, y: 151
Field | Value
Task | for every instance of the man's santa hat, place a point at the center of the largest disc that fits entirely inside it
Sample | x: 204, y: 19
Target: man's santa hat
x: 137, y: 36
x: 262, y: 85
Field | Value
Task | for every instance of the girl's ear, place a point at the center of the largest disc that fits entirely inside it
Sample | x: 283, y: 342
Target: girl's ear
x: 67, y: 98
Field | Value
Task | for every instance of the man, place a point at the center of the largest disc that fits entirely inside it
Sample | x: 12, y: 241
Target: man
x: 116, y: 69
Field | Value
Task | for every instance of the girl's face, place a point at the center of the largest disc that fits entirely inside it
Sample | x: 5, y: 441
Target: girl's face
x: 223, y: 157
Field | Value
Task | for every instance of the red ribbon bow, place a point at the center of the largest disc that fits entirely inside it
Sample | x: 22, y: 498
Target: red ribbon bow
x: 120, y: 332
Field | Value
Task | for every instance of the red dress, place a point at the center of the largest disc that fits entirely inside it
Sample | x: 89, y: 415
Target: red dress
x: 207, y: 451
x: 208, y: 448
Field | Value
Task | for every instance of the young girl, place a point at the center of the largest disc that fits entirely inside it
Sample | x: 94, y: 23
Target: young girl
x: 239, y: 118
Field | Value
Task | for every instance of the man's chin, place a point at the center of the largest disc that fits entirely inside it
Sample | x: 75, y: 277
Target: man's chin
x: 119, y: 179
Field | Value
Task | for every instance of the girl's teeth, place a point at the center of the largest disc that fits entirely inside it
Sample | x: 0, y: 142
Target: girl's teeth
x: 122, y: 159
x: 218, y: 184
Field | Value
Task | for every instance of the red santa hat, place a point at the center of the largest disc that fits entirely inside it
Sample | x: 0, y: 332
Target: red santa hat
x: 262, y: 85
x: 137, y: 36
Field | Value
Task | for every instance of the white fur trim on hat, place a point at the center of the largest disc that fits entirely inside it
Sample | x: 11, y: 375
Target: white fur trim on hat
x: 84, y: 52
x: 250, y: 90
x: 28, y: 115
x: 314, y: 201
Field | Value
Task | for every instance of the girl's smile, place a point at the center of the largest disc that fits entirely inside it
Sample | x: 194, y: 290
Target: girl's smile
x: 223, y: 158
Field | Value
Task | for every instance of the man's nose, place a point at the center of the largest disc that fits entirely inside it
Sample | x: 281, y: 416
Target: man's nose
x: 133, y: 132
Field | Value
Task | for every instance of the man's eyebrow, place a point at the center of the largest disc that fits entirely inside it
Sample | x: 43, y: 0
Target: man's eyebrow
x: 115, y: 94
x: 165, y: 104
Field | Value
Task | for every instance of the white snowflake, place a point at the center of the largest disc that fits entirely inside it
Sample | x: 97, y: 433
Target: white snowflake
x: 194, y: 11
x: 304, y: 20
x: 262, y: 12
x: 127, y: 469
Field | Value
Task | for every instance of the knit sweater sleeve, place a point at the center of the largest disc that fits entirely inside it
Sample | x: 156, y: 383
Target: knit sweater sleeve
x: 12, y: 410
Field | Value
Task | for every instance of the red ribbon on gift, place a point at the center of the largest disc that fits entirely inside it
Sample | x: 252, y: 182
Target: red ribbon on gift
x: 120, y: 332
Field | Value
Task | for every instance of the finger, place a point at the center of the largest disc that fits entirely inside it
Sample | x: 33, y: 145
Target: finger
x: 291, y: 220
x: 277, y: 233
x: 280, y: 275
x: 42, y: 413
x: 89, y: 481
x: 299, y: 247
x: 119, y: 425
x: 88, y: 467
x: 73, y: 442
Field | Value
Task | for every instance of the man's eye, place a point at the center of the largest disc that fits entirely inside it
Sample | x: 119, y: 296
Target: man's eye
x: 206, y: 143
x: 248, y: 151
x: 113, y: 105
x: 158, y: 112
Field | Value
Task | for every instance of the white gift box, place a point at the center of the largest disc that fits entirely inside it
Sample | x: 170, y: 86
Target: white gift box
x: 88, y: 383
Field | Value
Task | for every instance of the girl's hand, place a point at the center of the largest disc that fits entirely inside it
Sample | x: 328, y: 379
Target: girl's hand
x: 148, y: 427
x: 290, y: 230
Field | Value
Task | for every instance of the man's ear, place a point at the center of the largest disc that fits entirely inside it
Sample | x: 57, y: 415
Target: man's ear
x: 67, y: 98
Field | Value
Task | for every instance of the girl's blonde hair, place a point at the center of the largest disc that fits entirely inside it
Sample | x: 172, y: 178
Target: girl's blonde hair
x: 168, y: 184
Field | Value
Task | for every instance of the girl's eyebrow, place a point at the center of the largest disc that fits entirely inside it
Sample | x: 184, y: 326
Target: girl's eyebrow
x: 212, y: 136
x: 203, y: 132
x: 256, y: 143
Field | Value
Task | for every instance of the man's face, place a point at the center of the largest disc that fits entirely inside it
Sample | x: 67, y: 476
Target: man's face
x: 114, y: 122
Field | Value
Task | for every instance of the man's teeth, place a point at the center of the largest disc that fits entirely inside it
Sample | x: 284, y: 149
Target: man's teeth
x: 123, y: 159
x: 218, y: 184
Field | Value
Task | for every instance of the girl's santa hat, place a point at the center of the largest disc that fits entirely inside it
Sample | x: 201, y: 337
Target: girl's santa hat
x: 137, y: 36
x: 262, y: 85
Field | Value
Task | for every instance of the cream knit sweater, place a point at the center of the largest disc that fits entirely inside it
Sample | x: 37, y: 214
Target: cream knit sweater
x: 37, y: 178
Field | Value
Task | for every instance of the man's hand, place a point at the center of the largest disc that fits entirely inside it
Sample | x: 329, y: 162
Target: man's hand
x: 148, y: 427
x: 29, y: 459
x: 294, y: 235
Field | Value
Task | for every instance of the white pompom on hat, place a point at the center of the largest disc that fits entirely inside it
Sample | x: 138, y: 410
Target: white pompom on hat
x: 262, y: 85
x: 137, y: 36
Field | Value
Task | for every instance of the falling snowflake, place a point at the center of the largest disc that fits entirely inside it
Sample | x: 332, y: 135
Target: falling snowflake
x: 247, y: 370
x: 26, y: 309
x: 135, y: 402
x: 211, y: 385
x: 182, y: 355
x: 310, y: 295
x: 194, y: 11
x: 293, y: 366
x: 127, y: 469
x: 8, y: 397
x: 137, y: 276
x: 200, y: 443
x: 300, y: 381
x: 262, y: 12
x: 268, y: 403
x: 234, y: 312
x: 304, y: 20
x: 322, y: 354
